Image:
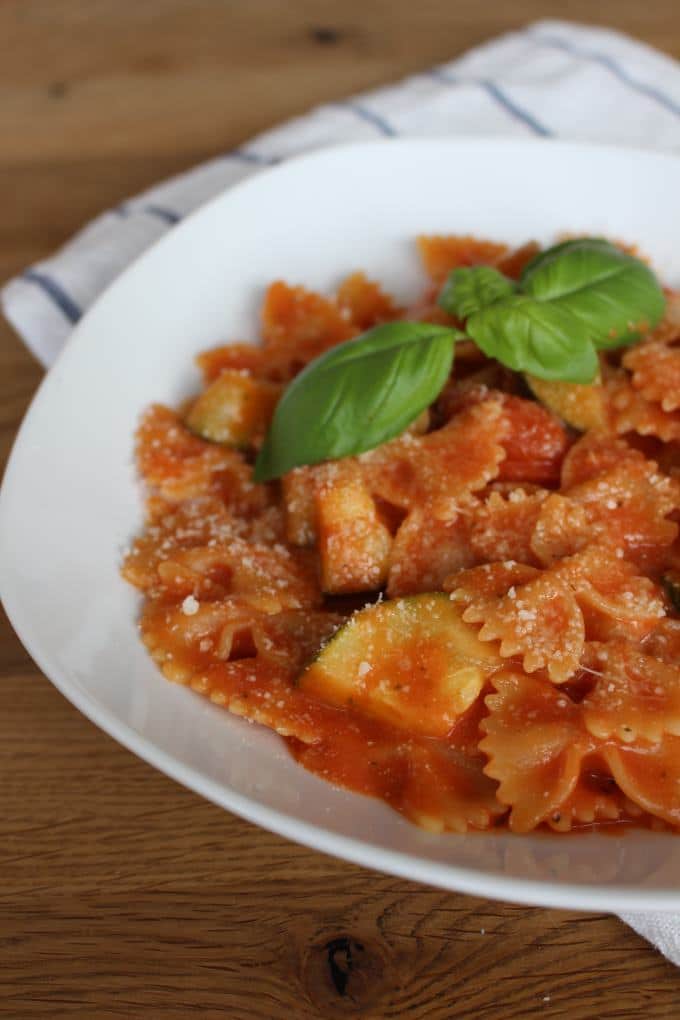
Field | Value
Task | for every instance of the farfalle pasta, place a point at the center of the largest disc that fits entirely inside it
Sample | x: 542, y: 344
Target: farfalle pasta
x: 476, y: 621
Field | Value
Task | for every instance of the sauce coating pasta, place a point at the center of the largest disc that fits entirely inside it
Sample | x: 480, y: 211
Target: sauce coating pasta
x: 478, y: 621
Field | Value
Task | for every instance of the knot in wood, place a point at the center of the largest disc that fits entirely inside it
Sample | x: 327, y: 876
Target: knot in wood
x: 325, y: 35
x: 344, y: 975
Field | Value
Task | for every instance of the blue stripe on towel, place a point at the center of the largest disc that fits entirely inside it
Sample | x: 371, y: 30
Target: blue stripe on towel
x: 370, y: 116
x: 248, y: 156
x: 613, y: 67
x: 55, y: 292
x: 162, y: 213
x: 514, y: 110
x: 498, y: 95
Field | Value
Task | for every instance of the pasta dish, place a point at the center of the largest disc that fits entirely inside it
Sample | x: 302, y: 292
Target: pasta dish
x: 476, y: 618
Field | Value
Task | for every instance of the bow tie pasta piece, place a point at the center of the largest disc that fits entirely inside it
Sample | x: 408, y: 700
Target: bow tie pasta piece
x: 246, y: 358
x: 431, y: 543
x: 545, y: 616
x: 450, y: 462
x: 180, y: 466
x: 595, y: 798
x: 294, y: 637
x: 411, y: 662
x: 512, y: 264
x: 268, y: 575
x: 630, y: 412
x: 534, y: 440
x: 636, y: 697
x: 624, y: 497
x: 656, y: 373
x: 649, y: 776
x: 502, y: 527
x: 201, y: 524
x: 243, y: 659
x: 365, y: 303
x: 539, y: 621
x: 171, y: 527
x: 562, y: 528
x: 480, y: 587
x: 593, y: 454
x: 620, y: 605
x: 297, y: 326
x: 614, y: 599
x: 262, y: 692
x: 441, y: 253
x: 430, y: 782
x: 448, y: 791
x: 628, y: 506
x: 535, y: 742
x: 184, y: 638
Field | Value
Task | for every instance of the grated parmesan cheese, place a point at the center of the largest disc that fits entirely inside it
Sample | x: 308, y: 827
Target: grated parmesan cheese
x: 190, y: 606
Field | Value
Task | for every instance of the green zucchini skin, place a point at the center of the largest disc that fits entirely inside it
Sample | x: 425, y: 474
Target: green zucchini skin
x: 234, y: 410
x: 582, y: 406
x: 412, y: 662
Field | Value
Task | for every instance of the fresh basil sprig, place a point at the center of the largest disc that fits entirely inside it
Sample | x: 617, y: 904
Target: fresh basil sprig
x: 571, y: 300
x: 466, y: 291
x: 357, y: 395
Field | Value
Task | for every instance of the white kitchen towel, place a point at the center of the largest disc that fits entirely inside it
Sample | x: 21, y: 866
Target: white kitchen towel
x: 551, y: 80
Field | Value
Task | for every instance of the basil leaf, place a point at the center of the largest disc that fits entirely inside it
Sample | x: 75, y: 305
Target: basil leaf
x: 537, y: 337
x: 614, y: 295
x: 556, y: 249
x: 357, y: 395
x: 467, y: 290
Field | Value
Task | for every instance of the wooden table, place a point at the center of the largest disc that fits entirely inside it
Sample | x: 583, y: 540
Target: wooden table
x: 124, y: 895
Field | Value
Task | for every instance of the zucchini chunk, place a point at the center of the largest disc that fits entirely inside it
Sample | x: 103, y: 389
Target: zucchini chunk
x: 411, y: 662
x: 581, y: 405
x: 298, y: 488
x: 354, y: 545
x: 234, y: 410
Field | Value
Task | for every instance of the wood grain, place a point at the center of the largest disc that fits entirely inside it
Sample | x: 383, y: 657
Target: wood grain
x: 124, y: 895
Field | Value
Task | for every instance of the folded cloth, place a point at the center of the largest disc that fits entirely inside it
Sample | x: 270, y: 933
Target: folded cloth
x: 551, y: 80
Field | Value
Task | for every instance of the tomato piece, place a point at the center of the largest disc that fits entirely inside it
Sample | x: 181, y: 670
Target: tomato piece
x: 535, y: 443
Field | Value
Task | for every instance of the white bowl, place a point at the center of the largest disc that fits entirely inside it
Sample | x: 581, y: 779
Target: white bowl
x: 70, y: 501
